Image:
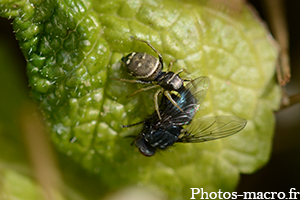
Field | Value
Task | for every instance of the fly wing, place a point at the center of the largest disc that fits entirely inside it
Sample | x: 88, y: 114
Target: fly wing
x: 188, y: 98
x: 198, y: 88
x: 212, y: 128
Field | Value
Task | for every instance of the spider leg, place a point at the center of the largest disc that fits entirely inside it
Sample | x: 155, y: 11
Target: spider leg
x: 143, y: 89
x: 132, y: 81
x: 153, y: 48
x: 168, y: 95
x: 156, y: 102
x: 171, y: 64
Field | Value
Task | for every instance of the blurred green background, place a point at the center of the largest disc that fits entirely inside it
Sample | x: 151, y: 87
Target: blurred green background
x: 282, y: 171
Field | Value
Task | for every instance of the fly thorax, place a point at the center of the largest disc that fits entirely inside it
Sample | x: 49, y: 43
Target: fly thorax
x: 153, y: 135
x: 163, y: 137
x: 175, y: 130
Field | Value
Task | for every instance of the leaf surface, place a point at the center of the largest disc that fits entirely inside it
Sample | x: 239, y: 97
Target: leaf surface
x: 73, y: 48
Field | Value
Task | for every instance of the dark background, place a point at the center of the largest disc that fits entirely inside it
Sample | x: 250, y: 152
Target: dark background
x: 283, y: 170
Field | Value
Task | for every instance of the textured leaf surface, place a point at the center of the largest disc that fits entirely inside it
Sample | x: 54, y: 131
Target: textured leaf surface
x: 74, y: 47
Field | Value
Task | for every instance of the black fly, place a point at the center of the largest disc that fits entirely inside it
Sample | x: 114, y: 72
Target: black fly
x: 162, y: 133
x: 148, y: 70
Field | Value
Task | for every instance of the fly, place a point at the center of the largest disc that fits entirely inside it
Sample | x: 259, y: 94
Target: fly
x: 160, y: 133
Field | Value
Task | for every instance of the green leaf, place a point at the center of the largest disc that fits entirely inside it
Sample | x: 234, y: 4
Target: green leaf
x: 18, y: 186
x: 73, y: 48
